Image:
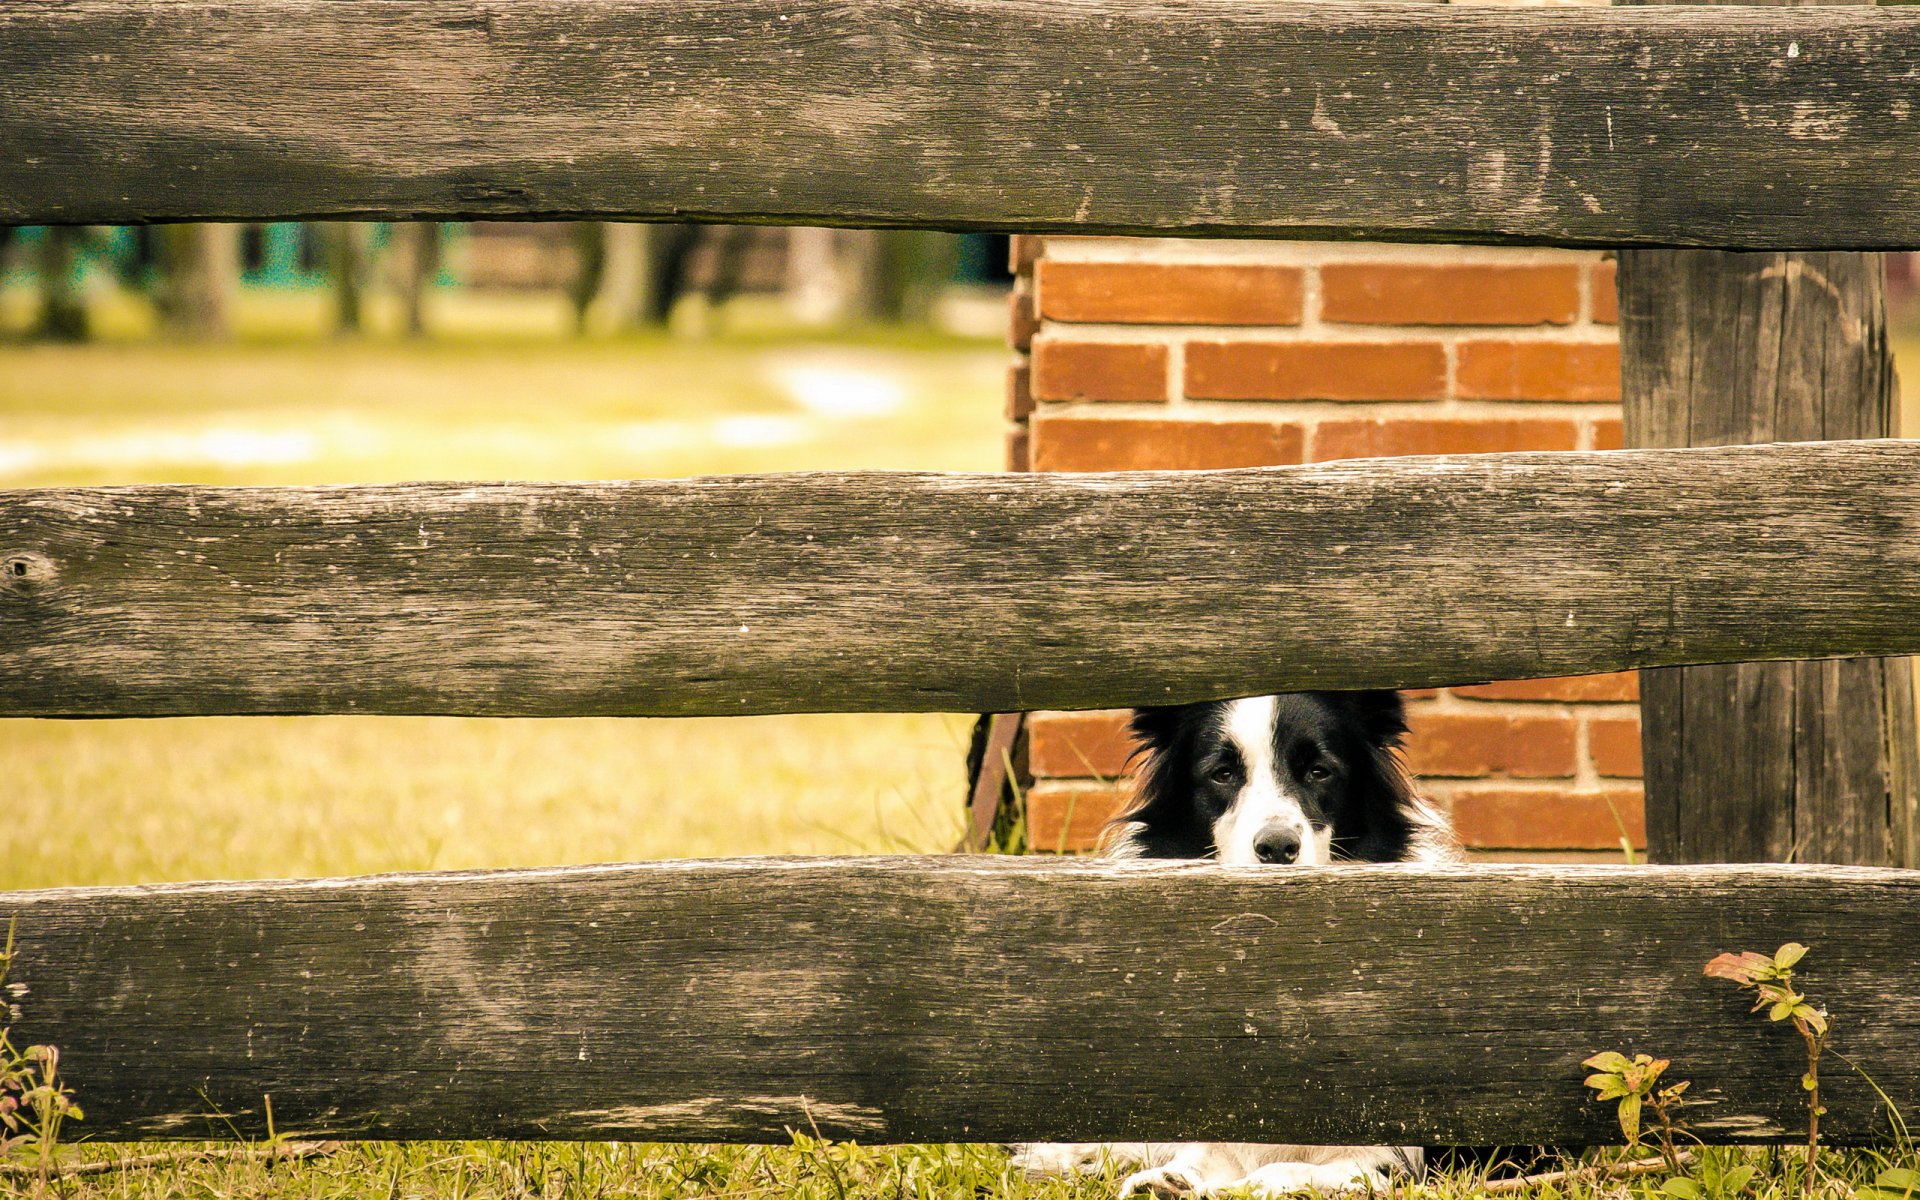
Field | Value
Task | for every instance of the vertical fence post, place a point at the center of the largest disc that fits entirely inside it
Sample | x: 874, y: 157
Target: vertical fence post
x: 1752, y: 762
x: 1813, y: 761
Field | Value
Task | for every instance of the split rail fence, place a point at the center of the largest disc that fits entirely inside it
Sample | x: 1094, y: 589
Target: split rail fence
x: 962, y: 998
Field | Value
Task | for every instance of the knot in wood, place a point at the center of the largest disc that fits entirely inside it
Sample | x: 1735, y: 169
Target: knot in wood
x: 23, y: 571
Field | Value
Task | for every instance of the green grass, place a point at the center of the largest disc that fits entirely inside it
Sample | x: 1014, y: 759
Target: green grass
x: 806, y: 1169
x: 226, y: 798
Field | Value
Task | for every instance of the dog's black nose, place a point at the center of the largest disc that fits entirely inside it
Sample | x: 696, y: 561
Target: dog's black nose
x: 1277, y: 846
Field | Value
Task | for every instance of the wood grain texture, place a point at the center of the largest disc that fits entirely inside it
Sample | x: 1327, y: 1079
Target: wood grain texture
x: 957, y: 593
x: 1407, y: 122
x: 1768, y: 761
x: 962, y: 999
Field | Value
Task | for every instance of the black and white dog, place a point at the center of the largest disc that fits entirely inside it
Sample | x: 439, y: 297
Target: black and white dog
x: 1306, y: 779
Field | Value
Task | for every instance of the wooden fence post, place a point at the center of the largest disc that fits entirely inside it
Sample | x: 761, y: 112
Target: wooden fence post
x: 1809, y: 761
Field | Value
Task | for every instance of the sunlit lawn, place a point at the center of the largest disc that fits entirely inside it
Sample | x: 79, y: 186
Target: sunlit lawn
x: 136, y: 801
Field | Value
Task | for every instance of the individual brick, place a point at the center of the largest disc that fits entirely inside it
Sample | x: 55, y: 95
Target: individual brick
x: 1066, y: 817
x: 1170, y: 293
x: 1386, y: 437
x: 1019, y: 390
x: 1022, y: 324
x: 1070, y: 442
x: 1481, y: 744
x: 1608, y: 434
x: 1023, y: 250
x: 1571, y: 371
x: 1316, y: 371
x: 1606, y: 297
x: 1615, y: 685
x: 1069, y: 370
x: 1019, y: 449
x: 1544, y: 818
x: 1065, y: 745
x: 1613, y: 742
x: 1449, y: 294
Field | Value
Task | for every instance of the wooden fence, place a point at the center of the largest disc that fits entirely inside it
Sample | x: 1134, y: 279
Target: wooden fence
x: 950, y: 592
x: 1605, y: 127
x: 961, y: 999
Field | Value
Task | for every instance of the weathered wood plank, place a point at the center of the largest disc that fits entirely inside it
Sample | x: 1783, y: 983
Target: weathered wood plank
x: 1721, y: 348
x: 965, y: 999
x: 1411, y: 122
x: 964, y: 593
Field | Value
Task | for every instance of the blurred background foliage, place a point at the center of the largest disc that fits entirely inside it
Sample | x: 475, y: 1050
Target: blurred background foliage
x: 599, y: 277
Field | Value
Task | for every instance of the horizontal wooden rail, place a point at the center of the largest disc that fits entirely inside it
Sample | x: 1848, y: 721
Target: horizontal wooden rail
x: 961, y: 999
x: 964, y: 593
x: 1675, y: 126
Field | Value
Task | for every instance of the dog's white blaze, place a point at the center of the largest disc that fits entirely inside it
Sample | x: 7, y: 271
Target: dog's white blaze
x: 1263, y: 800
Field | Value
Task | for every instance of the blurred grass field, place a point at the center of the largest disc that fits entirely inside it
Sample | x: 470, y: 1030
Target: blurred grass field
x: 498, y: 393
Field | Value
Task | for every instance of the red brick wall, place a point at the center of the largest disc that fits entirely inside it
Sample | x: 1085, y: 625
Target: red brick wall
x: 1167, y: 354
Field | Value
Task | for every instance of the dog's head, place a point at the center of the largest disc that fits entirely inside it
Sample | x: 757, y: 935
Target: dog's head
x: 1306, y: 778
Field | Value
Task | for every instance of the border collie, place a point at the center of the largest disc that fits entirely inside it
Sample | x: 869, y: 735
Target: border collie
x: 1304, y: 779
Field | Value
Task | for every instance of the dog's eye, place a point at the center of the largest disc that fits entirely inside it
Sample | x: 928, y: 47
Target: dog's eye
x: 1225, y: 775
x: 1318, y: 774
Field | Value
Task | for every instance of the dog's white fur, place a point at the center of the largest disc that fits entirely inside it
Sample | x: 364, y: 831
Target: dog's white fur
x: 1170, y: 1169
x: 1206, y: 1168
x: 1264, y: 801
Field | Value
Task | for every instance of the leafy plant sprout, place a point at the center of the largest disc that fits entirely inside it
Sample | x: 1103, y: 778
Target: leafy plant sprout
x: 1631, y: 1081
x: 33, y: 1099
x: 1771, y: 979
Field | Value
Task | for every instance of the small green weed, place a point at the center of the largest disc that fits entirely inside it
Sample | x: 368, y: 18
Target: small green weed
x: 1718, y: 1179
x: 34, y: 1100
x: 1771, y: 978
x: 1633, y: 1083
x: 1894, y: 1183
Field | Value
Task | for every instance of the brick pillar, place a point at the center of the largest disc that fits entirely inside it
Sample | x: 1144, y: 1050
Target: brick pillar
x: 1180, y: 355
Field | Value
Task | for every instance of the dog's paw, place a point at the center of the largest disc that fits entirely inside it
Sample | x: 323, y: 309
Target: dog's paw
x: 1285, y: 1179
x: 1162, y: 1183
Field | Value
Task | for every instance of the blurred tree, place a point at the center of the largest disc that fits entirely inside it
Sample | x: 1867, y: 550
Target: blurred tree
x: 63, y: 305
x: 590, y: 266
x: 906, y: 269
x: 621, y: 298
x: 629, y: 274
x: 198, y: 278
x: 669, y: 255
x: 416, y: 260
x: 8, y: 235
x: 346, y: 255
x: 731, y: 245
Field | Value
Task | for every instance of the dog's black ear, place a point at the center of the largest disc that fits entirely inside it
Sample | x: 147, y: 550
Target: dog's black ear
x: 1156, y: 728
x: 1382, y: 715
